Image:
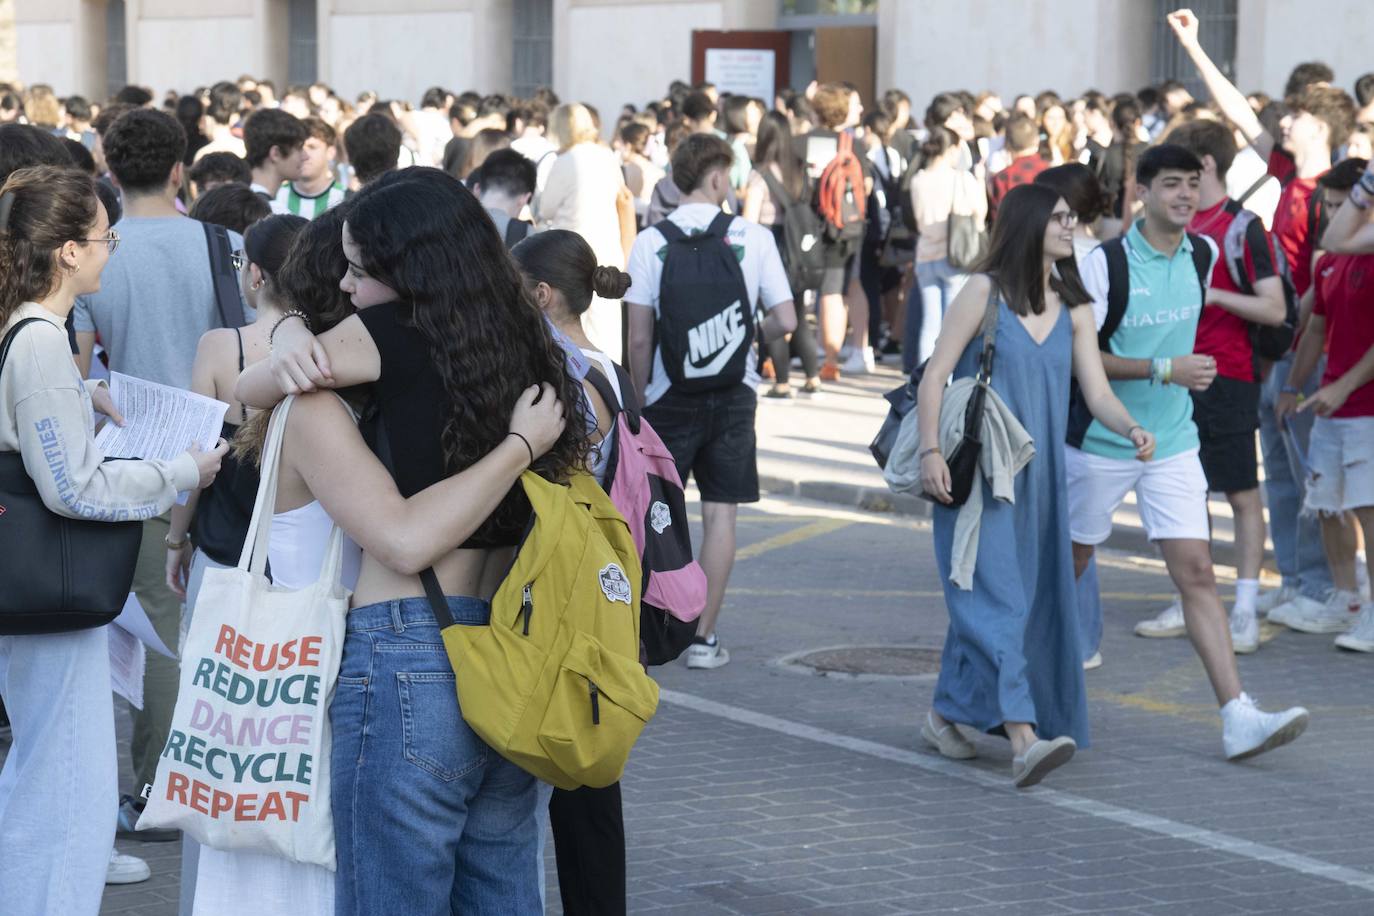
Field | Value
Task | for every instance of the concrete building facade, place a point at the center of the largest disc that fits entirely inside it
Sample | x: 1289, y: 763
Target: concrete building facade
x: 612, y: 51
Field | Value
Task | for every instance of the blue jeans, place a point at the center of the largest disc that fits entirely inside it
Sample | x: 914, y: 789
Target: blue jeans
x: 428, y: 820
x: 937, y: 283
x: 1298, y: 550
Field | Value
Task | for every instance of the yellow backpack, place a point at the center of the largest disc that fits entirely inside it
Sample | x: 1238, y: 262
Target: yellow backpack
x: 554, y: 683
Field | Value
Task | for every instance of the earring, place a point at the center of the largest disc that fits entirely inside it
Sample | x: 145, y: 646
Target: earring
x: 257, y: 285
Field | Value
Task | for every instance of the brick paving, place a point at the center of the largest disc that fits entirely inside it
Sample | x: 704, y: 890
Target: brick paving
x: 826, y: 808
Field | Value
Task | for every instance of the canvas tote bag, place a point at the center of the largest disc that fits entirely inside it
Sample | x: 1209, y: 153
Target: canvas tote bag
x: 246, y: 764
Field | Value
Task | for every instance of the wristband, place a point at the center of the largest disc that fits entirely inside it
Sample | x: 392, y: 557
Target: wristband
x: 528, y: 447
x: 1366, y: 182
x: 1133, y: 429
x: 291, y: 313
x: 176, y: 545
x: 1360, y: 197
x: 934, y: 450
x: 1289, y: 389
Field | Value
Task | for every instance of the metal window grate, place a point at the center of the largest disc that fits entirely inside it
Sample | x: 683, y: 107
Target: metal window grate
x: 302, y: 48
x: 116, y: 52
x: 1216, y: 30
x: 532, y: 53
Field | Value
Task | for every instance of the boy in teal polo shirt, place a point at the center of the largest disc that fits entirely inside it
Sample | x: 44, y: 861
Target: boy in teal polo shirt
x: 1149, y: 358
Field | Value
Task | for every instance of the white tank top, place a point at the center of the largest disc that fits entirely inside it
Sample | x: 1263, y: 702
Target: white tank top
x: 296, y: 551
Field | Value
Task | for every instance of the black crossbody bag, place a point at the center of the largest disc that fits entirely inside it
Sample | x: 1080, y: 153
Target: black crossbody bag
x: 59, y: 573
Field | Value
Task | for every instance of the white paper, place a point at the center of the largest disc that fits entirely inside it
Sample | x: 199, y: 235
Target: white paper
x: 743, y: 71
x: 135, y: 620
x: 159, y: 421
x: 128, y: 658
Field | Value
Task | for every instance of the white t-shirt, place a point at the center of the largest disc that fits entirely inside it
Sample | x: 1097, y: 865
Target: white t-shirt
x: 764, y: 276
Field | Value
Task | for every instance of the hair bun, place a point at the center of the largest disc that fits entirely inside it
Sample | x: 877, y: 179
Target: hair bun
x: 610, y: 282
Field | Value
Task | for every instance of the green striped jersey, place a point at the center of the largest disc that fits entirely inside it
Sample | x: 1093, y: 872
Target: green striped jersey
x: 290, y: 200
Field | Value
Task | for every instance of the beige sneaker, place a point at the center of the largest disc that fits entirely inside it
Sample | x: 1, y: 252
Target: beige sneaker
x: 948, y: 740
x: 1168, y: 624
x: 1040, y: 758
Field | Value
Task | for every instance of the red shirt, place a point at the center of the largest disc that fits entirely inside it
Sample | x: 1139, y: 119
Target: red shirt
x: 1292, y: 225
x: 1345, y: 295
x: 1022, y: 170
x: 1220, y: 334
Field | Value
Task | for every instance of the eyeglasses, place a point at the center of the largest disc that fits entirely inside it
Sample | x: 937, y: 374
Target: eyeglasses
x: 1067, y: 219
x: 111, y: 240
x: 238, y: 259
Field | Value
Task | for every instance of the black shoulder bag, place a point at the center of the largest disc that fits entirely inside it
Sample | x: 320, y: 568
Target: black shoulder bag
x: 59, y: 573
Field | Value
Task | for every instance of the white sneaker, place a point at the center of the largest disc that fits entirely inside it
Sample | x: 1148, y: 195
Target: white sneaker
x: 1244, y: 632
x: 1247, y: 731
x: 707, y: 655
x: 1362, y: 576
x: 1360, y: 637
x: 1335, y: 616
x: 859, y: 362
x: 1168, y: 623
x: 1093, y: 662
x: 126, y: 869
x: 1294, y: 607
x: 949, y: 741
x: 1271, y: 599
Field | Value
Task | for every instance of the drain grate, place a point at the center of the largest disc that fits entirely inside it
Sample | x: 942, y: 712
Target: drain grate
x: 883, y: 661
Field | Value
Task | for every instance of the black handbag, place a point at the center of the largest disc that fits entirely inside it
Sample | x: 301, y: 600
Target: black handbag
x: 59, y: 573
x: 963, y: 461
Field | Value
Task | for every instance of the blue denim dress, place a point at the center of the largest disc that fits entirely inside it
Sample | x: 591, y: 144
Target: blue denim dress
x: 1012, y: 651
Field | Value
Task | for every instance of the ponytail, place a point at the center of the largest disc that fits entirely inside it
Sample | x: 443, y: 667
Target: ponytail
x: 565, y: 261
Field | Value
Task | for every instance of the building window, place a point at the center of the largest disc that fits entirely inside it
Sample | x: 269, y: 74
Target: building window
x: 1216, y: 31
x: 116, y: 58
x: 828, y: 7
x: 302, y: 47
x: 532, y: 61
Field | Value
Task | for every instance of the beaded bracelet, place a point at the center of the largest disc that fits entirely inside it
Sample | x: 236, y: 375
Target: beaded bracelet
x: 290, y: 313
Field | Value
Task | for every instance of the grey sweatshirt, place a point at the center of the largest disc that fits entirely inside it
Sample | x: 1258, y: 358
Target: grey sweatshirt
x: 46, y: 415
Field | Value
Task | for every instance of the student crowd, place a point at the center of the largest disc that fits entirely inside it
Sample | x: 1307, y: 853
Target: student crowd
x: 1127, y: 288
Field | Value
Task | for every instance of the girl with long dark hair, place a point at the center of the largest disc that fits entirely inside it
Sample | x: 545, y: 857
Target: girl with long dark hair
x: 1011, y: 661
x: 469, y: 387
x: 774, y: 153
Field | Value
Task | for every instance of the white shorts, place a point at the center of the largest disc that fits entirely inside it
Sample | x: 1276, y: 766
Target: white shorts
x: 1340, y: 458
x: 1171, y: 495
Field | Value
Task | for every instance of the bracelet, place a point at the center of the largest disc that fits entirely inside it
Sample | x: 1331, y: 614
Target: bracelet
x: 290, y: 313
x: 528, y: 447
x: 1366, y: 181
x: 934, y: 450
x: 1289, y: 389
x: 176, y: 545
x: 1133, y: 429
x: 1161, y: 370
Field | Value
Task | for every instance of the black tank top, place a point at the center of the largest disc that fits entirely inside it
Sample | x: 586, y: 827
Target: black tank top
x: 410, y: 397
x: 225, y: 508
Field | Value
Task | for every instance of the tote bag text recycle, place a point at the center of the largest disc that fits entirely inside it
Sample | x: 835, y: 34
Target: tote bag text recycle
x: 246, y: 764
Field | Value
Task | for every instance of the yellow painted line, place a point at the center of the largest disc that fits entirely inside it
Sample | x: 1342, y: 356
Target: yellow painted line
x: 1192, y: 712
x: 795, y: 536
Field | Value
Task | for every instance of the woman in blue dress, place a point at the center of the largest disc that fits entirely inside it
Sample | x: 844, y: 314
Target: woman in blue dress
x: 1011, y: 662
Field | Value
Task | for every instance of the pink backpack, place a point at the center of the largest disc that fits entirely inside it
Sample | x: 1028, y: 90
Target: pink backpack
x: 643, y: 483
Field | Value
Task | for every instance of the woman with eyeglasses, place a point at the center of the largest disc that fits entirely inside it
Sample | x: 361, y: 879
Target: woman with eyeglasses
x: 1011, y: 663
x: 57, y: 807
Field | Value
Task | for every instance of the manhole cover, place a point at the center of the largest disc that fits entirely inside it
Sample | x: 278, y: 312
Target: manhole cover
x: 883, y: 661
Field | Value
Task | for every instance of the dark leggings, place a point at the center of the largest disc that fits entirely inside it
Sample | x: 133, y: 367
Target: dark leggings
x: 589, y: 843
x: 802, y: 342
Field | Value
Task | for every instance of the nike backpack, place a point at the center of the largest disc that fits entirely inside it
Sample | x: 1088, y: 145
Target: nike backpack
x: 705, y: 319
x: 643, y: 483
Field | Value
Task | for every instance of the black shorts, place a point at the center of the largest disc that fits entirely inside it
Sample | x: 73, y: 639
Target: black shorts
x: 711, y: 436
x: 1227, y: 416
x: 838, y: 270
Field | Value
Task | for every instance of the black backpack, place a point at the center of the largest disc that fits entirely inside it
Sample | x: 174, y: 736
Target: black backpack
x: 516, y: 232
x: 705, y: 319
x: 1118, y: 298
x: 1269, y: 342
x: 228, y: 299
x: 803, y: 251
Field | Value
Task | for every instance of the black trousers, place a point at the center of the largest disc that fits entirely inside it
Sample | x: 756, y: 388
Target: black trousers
x: 589, y: 843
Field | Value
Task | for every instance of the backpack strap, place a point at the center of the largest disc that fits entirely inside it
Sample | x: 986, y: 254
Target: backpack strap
x: 9, y: 339
x: 1251, y: 191
x: 720, y: 225
x: 516, y: 230
x: 670, y: 230
x: 438, y: 603
x: 781, y: 199
x: 1202, y: 261
x: 1118, y: 290
x: 227, y: 297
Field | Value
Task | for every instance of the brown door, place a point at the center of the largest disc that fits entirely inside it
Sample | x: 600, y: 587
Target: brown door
x: 848, y: 53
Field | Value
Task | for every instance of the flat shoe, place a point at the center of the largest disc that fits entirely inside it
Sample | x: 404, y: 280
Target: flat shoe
x: 1040, y: 758
x: 948, y: 741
